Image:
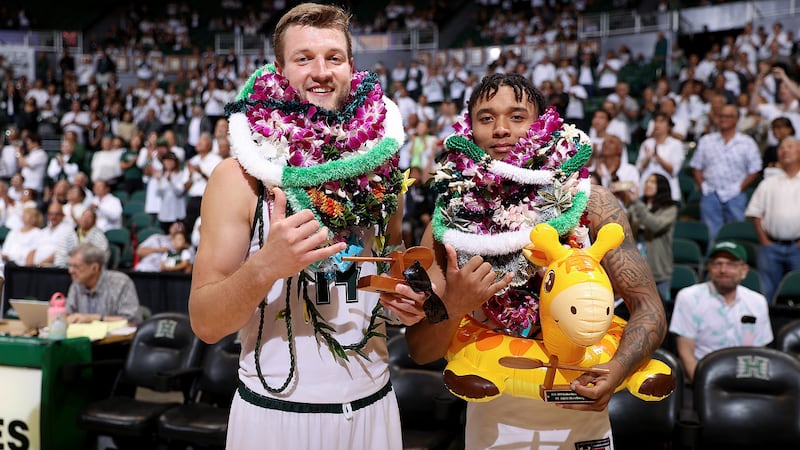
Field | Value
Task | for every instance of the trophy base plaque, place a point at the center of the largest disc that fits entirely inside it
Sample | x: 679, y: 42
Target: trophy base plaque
x: 561, y: 393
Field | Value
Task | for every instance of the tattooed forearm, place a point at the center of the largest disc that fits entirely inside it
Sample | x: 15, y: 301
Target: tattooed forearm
x: 632, y: 280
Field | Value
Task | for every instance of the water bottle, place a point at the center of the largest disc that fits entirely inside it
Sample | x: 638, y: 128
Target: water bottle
x: 58, y: 329
x: 56, y: 309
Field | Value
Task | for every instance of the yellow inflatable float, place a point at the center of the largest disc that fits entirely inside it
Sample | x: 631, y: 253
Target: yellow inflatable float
x: 579, y: 330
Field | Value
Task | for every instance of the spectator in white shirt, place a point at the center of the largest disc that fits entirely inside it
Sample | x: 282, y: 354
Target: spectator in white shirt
x: 615, y: 174
x: 171, y: 190
x: 33, y: 163
x: 20, y: 241
x: 662, y: 154
x: 56, y: 240
x: 107, y: 206
x: 106, y: 162
x: 8, y: 155
x: 76, y: 120
x: 199, y: 170
x: 62, y: 165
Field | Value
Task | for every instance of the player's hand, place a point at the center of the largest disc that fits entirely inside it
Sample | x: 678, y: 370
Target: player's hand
x: 294, y: 242
x: 597, y: 386
x: 470, y: 286
x: 406, y: 303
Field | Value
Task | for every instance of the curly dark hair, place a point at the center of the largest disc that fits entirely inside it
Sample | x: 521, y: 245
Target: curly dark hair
x: 490, y: 84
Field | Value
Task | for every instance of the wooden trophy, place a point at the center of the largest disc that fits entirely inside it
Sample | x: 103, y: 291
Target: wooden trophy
x: 398, y: 262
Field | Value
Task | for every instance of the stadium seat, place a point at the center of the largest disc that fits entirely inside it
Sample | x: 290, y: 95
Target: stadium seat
x: 685, y: 251
x: 154, y: 354
x: 642, y: 425
x: 788, y: 338
x: 788, y: 292
x: 747, y: 397
x: 682, y: 276
x: 739, y: 231
x: 694, y: 230
x: 202, y: 421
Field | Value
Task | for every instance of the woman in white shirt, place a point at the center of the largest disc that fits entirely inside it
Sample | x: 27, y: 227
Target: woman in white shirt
x: 106, y: 162
x: 662, y: 154
x: 171, y: 190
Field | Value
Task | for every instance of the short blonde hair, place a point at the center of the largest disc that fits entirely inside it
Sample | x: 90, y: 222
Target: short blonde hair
x: 312, y: 15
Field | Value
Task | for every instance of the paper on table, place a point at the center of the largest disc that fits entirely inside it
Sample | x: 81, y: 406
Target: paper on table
x: 96, y: 330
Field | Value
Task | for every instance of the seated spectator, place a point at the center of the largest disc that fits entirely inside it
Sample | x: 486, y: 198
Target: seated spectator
x: 179, y: 259
x: 14, y: 212
x: 75, y: 205
x: 97, y: 293
x: 107, y: 206
x: 615, y: 174
x: 82, y: 181
x: 652, y: 219
x: 58, y: 193
x: 88, y: 232
x: 55, y: 240
x: 20, y: 241
x: 152, y: 250
x: 719, y: 313
x: 16, y: 186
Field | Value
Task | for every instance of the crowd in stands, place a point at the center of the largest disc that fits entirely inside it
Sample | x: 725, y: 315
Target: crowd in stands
x: 164, y: 135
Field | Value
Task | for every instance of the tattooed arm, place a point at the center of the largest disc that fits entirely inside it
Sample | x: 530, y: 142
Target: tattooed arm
x: 632, y: 280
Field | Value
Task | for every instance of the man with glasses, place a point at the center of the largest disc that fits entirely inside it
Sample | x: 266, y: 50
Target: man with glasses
x: 719, y: 313
x: 96, y: 293
x: 724, y: 165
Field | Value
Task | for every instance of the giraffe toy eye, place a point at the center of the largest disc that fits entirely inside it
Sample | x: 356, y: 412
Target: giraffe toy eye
x: 549, y: 281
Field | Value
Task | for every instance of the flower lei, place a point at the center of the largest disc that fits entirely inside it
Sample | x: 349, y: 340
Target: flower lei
x: 488, y: 207
x: 341, y: 165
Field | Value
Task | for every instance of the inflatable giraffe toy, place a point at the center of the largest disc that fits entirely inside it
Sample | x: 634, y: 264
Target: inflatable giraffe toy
x: 579, y: 330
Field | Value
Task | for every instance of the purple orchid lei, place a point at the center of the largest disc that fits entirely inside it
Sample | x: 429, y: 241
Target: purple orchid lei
x: 483, y: 202
x: 490, y: 202
x: 302, y: 135
x: 313, y: 139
